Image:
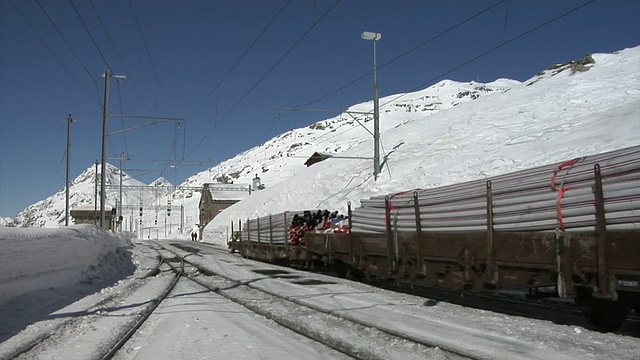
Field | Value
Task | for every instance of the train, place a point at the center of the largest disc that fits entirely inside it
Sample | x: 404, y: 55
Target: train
x: 573, y: 227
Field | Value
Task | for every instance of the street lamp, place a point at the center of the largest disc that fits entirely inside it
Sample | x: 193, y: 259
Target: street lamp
x: 367, y: 35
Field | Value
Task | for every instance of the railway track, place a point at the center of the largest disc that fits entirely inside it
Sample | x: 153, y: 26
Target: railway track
x: 44, y: 335
x: 179, y: 272
x: 313, y: 308
x: 549, y: 309
x: 278, y: 285
x: 349, y: 337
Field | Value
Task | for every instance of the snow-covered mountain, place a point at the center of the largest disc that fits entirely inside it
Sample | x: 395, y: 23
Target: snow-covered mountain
x: 161, y: 181
x: 447, y: 133
x: 4, y: 221
x: 50, y: 211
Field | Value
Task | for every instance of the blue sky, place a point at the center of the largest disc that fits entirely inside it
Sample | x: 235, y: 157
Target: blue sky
x: 224, y: 66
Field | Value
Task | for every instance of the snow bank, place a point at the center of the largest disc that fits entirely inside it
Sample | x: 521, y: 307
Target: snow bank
x: 36, y: 259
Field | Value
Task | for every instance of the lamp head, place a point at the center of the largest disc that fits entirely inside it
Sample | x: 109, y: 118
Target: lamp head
x: 368, y: 35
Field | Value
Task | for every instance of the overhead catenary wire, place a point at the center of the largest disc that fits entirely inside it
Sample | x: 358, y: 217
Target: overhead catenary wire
x: 153, y: 65
x: 86, y: 29
x: 54, y: 53
x: 422, y: 85
x: 239, y: 59
x: 53, y: 179
x: 466, y: 20
x: 293, y: 46
x: 64, y: 39
x: 398, y: 57
x: 119, y: 56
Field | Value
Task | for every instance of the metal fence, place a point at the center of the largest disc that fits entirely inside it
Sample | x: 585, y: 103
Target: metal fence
x: 269, y: 229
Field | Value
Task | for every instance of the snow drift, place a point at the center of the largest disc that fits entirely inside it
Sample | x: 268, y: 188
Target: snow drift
x: 36, y: 259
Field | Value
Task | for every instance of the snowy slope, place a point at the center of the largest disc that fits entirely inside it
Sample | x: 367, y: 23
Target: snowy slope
x: 284, y: 155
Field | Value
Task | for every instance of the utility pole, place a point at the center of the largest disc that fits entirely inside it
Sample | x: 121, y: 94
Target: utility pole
x: 105, y: 117
x: 376, y: 117
x: 120, y: 203
x: 375, y: 37
x: 66, y: 207
x: 95, y: 196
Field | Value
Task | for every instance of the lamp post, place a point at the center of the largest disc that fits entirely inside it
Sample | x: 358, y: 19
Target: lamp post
x: 66, y: 205
x: 95, y: 197
x: 367, y: 35
x: 105, y: 117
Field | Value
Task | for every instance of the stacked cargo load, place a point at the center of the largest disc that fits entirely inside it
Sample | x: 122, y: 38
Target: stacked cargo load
x: 560, y: 196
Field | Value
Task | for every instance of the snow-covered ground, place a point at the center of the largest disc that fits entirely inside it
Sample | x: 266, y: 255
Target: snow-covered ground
x: 37, y: 259
x: 196, y: 323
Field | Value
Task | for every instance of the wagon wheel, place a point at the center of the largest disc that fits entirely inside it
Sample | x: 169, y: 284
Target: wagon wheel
x: 607, y: 315
x: 341, y: 269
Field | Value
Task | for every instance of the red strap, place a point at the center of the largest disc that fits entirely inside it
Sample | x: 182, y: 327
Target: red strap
x: 393, y: 207
x: 559, y: 207
x: 555, y: 172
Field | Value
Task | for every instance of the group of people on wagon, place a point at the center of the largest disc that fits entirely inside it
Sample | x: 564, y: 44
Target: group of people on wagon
x: 319, y: 221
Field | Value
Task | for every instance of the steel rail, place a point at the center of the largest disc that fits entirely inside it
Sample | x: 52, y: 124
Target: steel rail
x: 155, y: 303
x: 284, y: 321
x: 52, y: 331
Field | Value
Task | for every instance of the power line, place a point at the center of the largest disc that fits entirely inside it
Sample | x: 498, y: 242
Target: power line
x: 86, y: 29
x: 391, y: 61
x: 115, y: 48
x: 265, y: 75
x: 488, y: 51
x: 406, y: 52
x: 241, y: 57
x: 153, y: 65
x: 57, y: 169
x: 64, y: 39
x: 51, y: 50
